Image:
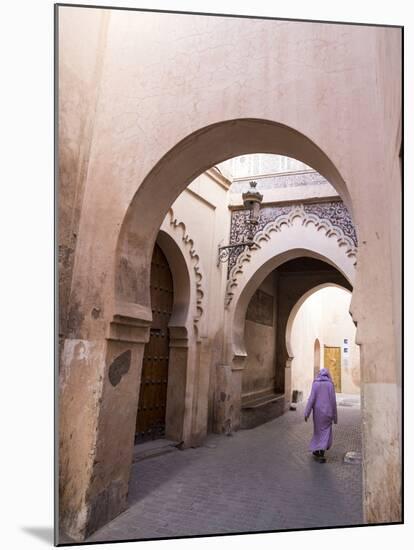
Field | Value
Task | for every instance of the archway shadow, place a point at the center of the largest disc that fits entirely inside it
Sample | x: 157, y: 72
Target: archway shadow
x: 142, y: 483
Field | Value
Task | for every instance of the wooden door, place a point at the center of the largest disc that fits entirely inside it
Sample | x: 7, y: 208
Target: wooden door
x: 332, y: 361
x: 153, y: 392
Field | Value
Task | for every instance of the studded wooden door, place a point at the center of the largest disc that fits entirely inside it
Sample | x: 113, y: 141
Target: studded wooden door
x: 332, y: 361
x: 153, y: 391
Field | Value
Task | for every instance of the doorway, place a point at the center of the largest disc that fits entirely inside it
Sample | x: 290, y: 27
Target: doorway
x: 150, y: 423
x: 332, y: 361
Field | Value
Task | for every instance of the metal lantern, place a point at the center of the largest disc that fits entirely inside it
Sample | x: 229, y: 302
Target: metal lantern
x: 252, y: 200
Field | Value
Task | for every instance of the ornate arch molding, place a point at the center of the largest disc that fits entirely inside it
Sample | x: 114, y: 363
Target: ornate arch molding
x: 297, y: 215
x: 178, y: 229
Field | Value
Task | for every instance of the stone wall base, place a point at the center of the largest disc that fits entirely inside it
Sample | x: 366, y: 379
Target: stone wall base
x: 266, y: 408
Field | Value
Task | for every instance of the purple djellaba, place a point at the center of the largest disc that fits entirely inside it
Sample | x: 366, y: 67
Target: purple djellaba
x: 322, y: 401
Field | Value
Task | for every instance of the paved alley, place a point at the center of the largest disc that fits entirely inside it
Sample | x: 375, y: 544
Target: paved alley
x: 256, y: 480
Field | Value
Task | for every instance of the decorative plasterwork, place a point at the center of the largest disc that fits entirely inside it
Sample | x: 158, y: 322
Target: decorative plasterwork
x: 195, y: 259
x: 293, y: 215
x: 333, y: 211
x: 239, y: 228
x: 337, y: 213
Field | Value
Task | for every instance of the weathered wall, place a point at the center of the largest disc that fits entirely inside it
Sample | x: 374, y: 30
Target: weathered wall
x: 80, y: 66
x: 330, y: 96
x: 260, y: 336
x: 324, y: 316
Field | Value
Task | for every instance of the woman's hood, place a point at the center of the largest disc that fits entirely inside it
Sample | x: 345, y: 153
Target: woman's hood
x: 324, y: 375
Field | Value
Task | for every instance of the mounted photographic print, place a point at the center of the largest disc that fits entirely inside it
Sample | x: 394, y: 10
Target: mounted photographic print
x: 229, y: 270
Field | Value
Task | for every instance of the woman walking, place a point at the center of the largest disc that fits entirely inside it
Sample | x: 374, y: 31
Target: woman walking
x: 322, y: 401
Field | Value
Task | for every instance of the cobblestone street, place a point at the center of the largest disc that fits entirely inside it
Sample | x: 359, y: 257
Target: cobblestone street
x: 257, y: 480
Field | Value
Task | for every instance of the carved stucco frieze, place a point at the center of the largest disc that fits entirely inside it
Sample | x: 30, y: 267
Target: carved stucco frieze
x: 284, y: 217
x: 195, y: 259
x: 334, y: 211
x: 239, y: 228
x: 337, y: 214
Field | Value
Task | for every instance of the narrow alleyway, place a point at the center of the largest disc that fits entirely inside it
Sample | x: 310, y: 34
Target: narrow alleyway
x: 257, y: 480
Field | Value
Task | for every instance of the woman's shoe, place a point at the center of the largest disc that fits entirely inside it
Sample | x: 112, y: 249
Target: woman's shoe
x: 318, y: 456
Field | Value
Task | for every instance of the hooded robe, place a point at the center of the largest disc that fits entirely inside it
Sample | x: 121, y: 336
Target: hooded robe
x: 322, y: 401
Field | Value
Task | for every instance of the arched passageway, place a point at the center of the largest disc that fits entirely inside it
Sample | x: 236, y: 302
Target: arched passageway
x: 293, y: 281
x: 294, y: 243
x: 301, y: 300
x: 320, y: 325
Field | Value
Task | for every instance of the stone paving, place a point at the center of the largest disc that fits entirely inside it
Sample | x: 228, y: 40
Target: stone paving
x: 256, y: 480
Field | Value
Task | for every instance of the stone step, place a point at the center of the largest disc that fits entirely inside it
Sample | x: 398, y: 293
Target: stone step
x: 154, y: 448
x: 262, y: 400
x: 262, y: 409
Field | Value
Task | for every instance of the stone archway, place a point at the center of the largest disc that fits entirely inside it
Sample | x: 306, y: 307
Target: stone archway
x: 298, y: 240
x: 292, y: 236
x: 295, y: 307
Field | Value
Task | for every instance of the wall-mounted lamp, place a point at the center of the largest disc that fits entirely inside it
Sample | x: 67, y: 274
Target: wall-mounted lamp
x: 252, y: 200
